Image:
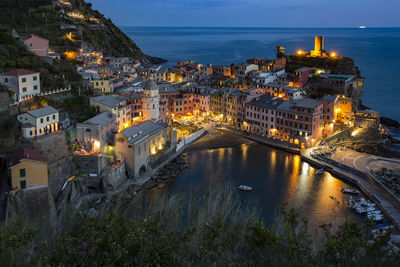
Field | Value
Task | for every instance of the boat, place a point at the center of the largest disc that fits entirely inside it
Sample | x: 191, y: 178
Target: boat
x: 349, y: 191
x: 362, y: 27
x: 320, y: 171
x: 375, y: 212
x: 382, y: 230
x: 361, y: 210
x: 375, y: 218
x: 245, y: 187
x: 365, y: 203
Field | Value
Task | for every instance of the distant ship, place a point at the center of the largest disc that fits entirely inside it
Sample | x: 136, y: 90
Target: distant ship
x: 362, y: 27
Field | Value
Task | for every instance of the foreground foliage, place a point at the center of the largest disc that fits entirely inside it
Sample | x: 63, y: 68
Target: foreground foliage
x: 183, y: 231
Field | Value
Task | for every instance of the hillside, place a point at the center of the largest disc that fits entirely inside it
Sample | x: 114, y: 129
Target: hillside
x: 68, y: 23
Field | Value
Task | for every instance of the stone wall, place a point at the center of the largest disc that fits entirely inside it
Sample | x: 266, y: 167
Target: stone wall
x: 90, y: 164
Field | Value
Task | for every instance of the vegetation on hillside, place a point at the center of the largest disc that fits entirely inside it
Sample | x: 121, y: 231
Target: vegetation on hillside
x: 52, y: 76
x: 44, y: 17
x: 214, y: 230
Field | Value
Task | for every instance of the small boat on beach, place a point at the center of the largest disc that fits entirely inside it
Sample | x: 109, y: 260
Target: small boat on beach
x: 349, y: 191
x: 320, y: 171
x: 364, y: 203
x: 245, y: 187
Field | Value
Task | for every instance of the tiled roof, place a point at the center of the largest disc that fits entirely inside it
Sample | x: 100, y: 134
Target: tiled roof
x: 109, y: 101
x: 101, y: 119
x: 41, y: 112
x: 266, y: 101
x: 136, y: 133
x: 19, y: 72
x: 25, y: 153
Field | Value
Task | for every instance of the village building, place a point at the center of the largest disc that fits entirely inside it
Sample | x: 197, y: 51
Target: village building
x: 24, y: 83
x: 300, y: 122
x: 37, y: 45
x: 28, y: 169
x: 260, y: 116
x: 140, y: 144
x: 115, y: 105
x: 97, y: 133
x: 39, y: 122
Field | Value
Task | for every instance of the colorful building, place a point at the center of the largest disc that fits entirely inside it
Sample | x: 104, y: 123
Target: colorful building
x: 37, y: 45
x: 28, y: 169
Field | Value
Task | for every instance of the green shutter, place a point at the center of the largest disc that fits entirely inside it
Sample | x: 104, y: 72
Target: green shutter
x: 22, y: 173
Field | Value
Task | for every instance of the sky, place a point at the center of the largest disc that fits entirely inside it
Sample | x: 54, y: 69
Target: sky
x: 251, y: 13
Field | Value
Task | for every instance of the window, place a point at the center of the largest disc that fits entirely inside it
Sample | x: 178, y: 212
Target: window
x: 24, y: 80
x: 6, y: 80
x: 35, y: 87
x: 47, y: 118
x: 23, y: 184
x: 22, y: 173
x: 24, y: 89
x: 41, y: 120
x: 54, y: 117
x: 35, y: 78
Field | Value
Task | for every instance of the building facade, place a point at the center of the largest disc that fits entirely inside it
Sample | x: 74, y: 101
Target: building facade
x: 39, y: 122
x: 24, y: 83
x: 28, y: 169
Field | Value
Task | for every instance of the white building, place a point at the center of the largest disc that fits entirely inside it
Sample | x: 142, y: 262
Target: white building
x: 39, y: 122
x: 151, y: 101
x: 23, y: 83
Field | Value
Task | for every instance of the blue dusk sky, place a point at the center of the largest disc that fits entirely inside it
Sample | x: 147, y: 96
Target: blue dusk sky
x: 251, y: 13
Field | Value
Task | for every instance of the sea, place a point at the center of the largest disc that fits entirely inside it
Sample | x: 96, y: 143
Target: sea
x: 376, y: 51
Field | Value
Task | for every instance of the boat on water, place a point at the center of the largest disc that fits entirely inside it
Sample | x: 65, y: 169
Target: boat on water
x: 375, y: 218
x: 382, y: 230
x: 362, y: 27
x: 364, y: 203
x: 361, y: 210
x: 245, y: 187
x: 320, y: 171
x: 349, y: 191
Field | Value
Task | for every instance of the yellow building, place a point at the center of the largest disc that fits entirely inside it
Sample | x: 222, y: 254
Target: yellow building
x: 102, y: 85
x: 28, y: 169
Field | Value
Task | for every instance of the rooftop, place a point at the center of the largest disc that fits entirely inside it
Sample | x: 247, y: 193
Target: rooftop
x: 101, y: 119
x: 302, y: 69
x: 266, y: 101
x: 109, y: 101
x: 136, y: 133
x: 25, y: 153
x: 19, y: 72
x: 41, y: 112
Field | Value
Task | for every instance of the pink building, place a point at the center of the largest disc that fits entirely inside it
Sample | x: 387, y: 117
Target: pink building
x: 302, y: 76
x: 37, y: 45
x: 261, y: 115
x: 300, y: 122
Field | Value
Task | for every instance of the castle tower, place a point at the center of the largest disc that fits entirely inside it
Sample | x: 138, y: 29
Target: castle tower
x: 151, y: 101
x: 318, y: 46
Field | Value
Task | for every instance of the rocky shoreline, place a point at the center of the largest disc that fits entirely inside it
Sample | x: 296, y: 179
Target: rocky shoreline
x: 389, y: 178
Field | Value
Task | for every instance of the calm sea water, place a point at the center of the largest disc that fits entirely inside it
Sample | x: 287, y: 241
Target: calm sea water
x: 375, y: 51
x: 277, y: 178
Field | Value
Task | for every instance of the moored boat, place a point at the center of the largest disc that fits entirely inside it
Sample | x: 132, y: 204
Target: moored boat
x: 349, y: 191
x: 245, y: 187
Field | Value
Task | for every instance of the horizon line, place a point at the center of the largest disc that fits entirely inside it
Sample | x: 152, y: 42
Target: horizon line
x: 271, y: 27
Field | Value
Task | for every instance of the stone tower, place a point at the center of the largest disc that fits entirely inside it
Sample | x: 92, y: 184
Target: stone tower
x: 151, y: 101
x: 318, y: 46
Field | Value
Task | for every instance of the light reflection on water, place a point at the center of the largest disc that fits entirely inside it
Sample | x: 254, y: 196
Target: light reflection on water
x: 277, y: 177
